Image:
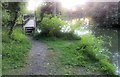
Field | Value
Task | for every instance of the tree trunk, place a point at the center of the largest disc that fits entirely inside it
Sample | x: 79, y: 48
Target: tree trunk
x: 12, y: 25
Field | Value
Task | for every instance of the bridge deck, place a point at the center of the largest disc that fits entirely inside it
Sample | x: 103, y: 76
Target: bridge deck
x: 30, y: 23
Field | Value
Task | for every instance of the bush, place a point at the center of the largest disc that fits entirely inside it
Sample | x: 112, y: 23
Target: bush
x: 14, y: 49
x: 93, y: 48
x: 51, y: 26
x: 5, y: 18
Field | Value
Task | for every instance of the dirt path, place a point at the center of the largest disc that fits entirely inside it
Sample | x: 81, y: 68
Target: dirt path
x: 36, y: 59
x: 36, y: 63
x: 43, y: 60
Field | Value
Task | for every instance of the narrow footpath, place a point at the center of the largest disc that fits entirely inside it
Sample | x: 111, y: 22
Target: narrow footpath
x: 36, y: 59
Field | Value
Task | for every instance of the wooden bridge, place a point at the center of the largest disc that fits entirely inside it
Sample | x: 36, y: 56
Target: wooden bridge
x: 30, y: 26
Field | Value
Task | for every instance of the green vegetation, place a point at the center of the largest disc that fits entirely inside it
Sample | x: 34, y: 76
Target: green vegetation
x: 83, y: 53
x: 12, y: 15
x: 51, y: 26
x: 15, y: 44
x: 12, y: 10
x: 86, y: 51
x: 5, y: 18
x: 14, y: 49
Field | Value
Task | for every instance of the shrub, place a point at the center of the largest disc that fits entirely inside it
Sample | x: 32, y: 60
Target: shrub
x: 5, y: 18
x: 93, y: 48
x: 51, y: 26
x: 107, y: 67
x: 14, y: 49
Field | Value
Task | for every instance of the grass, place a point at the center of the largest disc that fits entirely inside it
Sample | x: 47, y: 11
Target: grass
x: 83, y: 53
x: 14, y: 50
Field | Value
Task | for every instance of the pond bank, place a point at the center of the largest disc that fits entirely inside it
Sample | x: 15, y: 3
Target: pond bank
x: 112, y: 37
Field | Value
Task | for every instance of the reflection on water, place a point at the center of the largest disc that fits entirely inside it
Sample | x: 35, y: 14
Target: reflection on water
x: 115, y: 56
x: 115, y: 59
x: 80, y: 33
x: 82, y: 30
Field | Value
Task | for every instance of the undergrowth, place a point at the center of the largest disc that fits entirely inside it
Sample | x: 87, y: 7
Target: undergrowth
x: 14, y: 49
x: 84, y: 53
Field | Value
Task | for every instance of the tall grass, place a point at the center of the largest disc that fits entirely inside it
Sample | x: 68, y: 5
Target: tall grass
x: 14, y: 49
x: 93, y: 48
x: 84, y: 53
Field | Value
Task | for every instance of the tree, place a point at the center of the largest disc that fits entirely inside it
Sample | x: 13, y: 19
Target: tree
x: 13, y: 9
x: 103, y: 13
x: 49, y: 8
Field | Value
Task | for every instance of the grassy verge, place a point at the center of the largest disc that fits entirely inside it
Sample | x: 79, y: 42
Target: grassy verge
x: 14, y: 50
x: 83, y: 53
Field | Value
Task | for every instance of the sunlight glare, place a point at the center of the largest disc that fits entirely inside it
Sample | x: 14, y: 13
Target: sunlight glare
x: 33, y: 4
x: 39, y: 31
x: 87, y: 21
x: 74, y: 21
x: 68, y: 4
